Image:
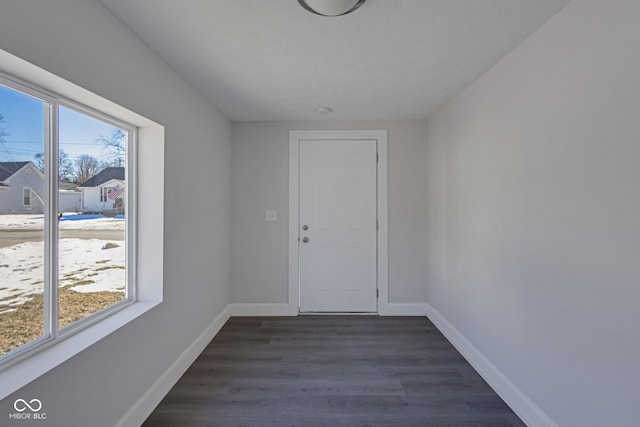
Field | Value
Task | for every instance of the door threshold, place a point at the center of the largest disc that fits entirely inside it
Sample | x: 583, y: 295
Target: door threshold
x: 336, y: 313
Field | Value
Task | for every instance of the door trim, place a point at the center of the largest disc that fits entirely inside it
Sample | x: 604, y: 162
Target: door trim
x: 381, y: 136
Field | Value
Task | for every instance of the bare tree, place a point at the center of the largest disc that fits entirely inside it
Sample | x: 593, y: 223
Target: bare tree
x: 65, y: 166
x: 38, y: 159
x: 86, y: 166
x: 115, y: 145
x: 3, y: 134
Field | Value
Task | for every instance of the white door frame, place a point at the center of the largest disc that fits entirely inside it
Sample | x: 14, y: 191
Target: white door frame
x: 381, y: 136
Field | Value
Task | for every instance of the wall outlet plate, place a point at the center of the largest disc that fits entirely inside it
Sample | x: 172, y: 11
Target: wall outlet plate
x: 270, y: 215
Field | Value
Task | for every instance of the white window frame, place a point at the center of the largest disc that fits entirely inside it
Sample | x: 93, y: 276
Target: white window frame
x: 52, y: 331
x: 145, y: 238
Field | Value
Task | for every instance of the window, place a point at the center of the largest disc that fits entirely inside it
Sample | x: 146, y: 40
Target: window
x: 26, y: 197
x: 146, y: 238
x: 71, y: 262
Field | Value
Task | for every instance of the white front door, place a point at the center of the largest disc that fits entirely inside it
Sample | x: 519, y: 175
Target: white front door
x: 337, y: 225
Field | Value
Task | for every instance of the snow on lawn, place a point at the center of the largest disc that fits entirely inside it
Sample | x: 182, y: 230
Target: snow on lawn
x: 82, y: 261
x: 68, y: 222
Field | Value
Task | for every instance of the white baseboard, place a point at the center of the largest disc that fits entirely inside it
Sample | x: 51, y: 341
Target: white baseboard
x: 139, y: 412
x: 524, y: 407
x: 283, y: 309
x: 279, y: 309
x: 403, y: 309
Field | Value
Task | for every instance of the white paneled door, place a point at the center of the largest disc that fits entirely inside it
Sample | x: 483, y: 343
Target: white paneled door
x: 337, y: 220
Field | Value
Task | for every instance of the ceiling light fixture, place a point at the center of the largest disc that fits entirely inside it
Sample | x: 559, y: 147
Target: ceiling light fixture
x: 331, y: 7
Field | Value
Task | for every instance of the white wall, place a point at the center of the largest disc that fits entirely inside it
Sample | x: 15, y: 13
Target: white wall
x: 534, y: 215
x: 260, y: 181
x: 82, y: 42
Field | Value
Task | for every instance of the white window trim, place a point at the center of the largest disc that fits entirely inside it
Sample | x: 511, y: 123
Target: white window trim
x: 150, y: 205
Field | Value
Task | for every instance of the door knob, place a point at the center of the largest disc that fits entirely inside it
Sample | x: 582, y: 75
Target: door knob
x: 305, y: 239
x: 305, y: 227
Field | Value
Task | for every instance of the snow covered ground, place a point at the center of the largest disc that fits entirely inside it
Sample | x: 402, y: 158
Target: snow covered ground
x: 36, y: 222
x: 85, y: 265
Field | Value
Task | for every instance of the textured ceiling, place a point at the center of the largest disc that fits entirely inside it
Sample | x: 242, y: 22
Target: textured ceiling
x: 273, y: 60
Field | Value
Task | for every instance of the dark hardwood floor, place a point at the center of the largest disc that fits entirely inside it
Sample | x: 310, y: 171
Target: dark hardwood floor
x: 331, y: 371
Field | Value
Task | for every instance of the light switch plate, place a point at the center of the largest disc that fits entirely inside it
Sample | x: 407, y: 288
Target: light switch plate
x: 270, y: 215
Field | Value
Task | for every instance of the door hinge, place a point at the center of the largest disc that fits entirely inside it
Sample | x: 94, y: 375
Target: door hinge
x: 377, y: 158
x: 377, y: 293
x: 377, y: 225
